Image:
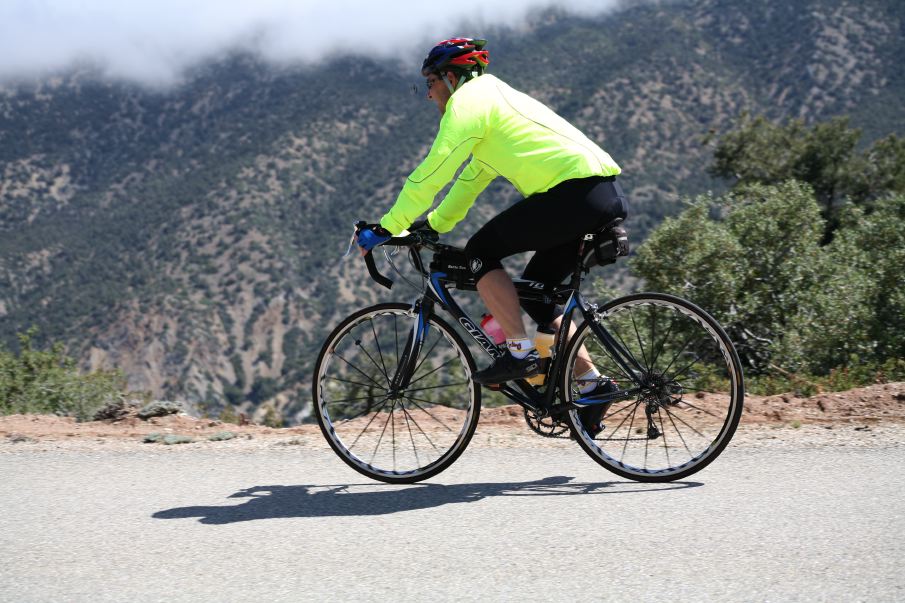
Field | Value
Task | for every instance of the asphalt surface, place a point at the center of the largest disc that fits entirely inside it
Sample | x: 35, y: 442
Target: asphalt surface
x: 771, y: 523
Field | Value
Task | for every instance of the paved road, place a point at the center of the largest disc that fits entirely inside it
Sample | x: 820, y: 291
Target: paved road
x: 280, y: 524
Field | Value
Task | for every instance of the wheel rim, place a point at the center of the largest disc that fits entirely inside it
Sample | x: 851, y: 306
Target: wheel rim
x: 394, y: 432
x: 686, y: 400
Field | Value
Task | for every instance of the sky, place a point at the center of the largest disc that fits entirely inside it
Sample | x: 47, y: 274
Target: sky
x: 154, y: 41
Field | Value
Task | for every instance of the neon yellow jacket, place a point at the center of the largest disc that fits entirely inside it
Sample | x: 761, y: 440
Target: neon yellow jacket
x: 508, y: 134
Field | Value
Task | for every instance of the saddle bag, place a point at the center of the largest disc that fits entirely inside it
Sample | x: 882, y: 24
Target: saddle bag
x: 604, y: 247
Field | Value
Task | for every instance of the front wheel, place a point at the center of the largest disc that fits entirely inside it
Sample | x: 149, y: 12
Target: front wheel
x: 685, y: 390
x: 393, y: 434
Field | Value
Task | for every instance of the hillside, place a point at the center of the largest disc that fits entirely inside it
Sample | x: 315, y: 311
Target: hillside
x: 192, y: 236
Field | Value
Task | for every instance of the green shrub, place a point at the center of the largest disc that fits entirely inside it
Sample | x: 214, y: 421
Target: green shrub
x: 48, y: 382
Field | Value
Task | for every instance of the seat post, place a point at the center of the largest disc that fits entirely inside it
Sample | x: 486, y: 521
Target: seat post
x: 575, y: 283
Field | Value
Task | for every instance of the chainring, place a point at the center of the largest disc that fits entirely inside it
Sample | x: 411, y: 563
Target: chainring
x: 546, y: 426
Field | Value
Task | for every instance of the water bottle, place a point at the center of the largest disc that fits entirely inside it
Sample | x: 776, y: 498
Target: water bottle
x: 543, y: 341
x: 490, y: 326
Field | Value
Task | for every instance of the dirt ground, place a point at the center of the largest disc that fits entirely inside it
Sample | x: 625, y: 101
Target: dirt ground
x: 863, y: 408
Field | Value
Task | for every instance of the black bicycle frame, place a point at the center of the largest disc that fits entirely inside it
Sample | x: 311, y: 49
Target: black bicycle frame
x: 522, y: 392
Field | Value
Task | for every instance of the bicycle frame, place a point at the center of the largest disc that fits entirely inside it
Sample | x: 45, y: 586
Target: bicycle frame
x: 523, y: 393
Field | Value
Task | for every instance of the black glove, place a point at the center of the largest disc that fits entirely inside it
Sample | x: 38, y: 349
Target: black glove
x: 424, y: 228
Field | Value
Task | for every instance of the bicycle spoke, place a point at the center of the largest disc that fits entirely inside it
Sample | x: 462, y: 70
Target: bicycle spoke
x: 426, y: 437
x: 351, y: 399
x: 352, y: 382
x: 438, y: 403
x: 396, y: 337
x: 673, y: 415
x: 606, y: 354
x: 433, y: 371
x: 626, y: 407
x: 663, y: 435
x: 681, y: 373
x: 366, y: 376
x: 672, y: 322
x: 631, y: 314
x: 408, y: 426
x: 624, y: 419
x: 427, y: 355
x: 421, y: 389
x: 379, y: 352
x: 448, y: 405
x: 694, y: 390
x: 383, y: 431
x: 427, y: 412
x: 374, y: 362
x: 706, y: 412
x: 393, y: 433
x: 365, y: 428
x: 359, y: 415
x: 630, y: 426
x: 614, y: 331
x: 679, y: 353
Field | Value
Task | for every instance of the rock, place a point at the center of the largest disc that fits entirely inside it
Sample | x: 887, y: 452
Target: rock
x: 172, y: 439
x: 292, y: 442
x: 18, y: 438
x: 221, y: 436
x: 152, y: 438
x: 160, y: 408
x: 116, y: 410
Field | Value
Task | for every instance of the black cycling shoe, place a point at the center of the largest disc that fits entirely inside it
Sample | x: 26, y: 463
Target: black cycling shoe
x: 592, y: 416
x: 509, y: 368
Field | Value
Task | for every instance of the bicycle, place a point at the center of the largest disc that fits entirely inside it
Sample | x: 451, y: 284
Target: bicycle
x: 393, y: 393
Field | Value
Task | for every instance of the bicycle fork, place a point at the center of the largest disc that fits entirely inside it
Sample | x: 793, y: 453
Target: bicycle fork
x: 421, y: 310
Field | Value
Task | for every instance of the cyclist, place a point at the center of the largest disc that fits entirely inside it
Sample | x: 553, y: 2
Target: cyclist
x: 568, y: 184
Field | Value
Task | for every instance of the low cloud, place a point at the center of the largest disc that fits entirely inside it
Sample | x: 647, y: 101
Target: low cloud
x: 154, y: 41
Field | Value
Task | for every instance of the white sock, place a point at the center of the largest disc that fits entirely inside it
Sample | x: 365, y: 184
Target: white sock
x: 590, y: 379
x: 519, y: 348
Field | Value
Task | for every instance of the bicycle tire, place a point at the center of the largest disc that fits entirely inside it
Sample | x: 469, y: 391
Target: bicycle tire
x: 449, y: 420
x: 713, y: 379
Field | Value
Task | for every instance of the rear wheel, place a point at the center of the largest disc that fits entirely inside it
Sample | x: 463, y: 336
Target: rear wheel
x: 395, y: 435
x: 684, y: 404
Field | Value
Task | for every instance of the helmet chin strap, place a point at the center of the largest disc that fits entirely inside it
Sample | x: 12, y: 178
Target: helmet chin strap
x: 462, y: 79
x: 449, y: 85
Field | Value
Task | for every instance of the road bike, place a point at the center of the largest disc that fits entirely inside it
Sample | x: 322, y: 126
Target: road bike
x: 394, y: 397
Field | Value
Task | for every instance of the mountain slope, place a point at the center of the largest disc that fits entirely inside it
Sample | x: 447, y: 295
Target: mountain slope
x: 192, y: 237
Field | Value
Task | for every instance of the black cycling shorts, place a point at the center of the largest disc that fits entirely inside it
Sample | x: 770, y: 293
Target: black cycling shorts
x: 551, y: 223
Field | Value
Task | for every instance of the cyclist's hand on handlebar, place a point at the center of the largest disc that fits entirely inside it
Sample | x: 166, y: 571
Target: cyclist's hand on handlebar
x: 372, y: 236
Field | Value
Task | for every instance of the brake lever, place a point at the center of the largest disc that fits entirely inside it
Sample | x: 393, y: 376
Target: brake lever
x: 351, y: 243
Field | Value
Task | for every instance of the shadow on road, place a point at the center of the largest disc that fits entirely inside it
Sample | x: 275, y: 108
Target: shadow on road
x: 268, y: 502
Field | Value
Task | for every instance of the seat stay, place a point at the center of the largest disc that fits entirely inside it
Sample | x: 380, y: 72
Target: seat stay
x: 623, y: 358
